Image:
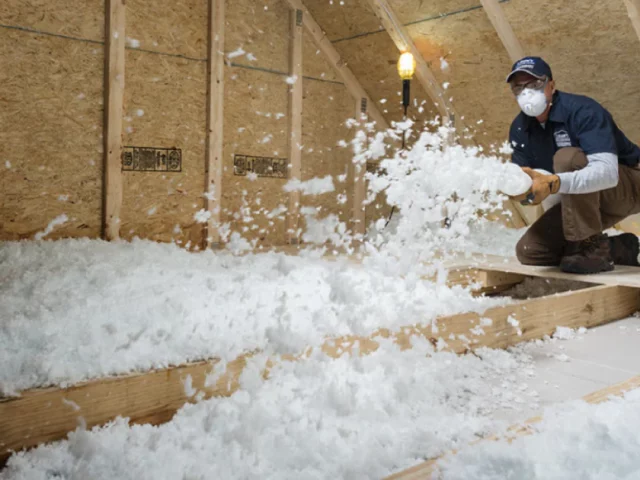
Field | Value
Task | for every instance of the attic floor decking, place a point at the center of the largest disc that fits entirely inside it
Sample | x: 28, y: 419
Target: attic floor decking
x: 47, y: 414
x: 622, y: 275
x: 426, y: 470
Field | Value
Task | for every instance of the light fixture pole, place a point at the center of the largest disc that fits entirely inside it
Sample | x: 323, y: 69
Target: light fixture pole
x: 406, y: 69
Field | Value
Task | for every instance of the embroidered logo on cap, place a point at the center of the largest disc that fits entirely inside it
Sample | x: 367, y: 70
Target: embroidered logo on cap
x: 526, y: 63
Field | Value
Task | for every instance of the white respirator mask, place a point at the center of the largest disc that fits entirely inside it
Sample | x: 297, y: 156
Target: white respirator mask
x: 532, y: 102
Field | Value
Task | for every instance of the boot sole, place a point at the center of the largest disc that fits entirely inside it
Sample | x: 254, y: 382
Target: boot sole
x: 575, y: 271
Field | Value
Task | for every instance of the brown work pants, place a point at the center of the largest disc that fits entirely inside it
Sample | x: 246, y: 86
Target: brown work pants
x: 578, y: 217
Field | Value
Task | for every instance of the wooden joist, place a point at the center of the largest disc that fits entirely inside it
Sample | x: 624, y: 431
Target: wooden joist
x: 113, y: 107
x: 485, y: 281
x: 47, y: 414
x: 295, y: 122
x: 340, y: 66
x: 425, y: 470
x: 215, y: 117
x: 44, y: 415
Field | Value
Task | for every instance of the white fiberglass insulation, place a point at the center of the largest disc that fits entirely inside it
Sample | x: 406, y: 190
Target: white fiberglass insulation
x: 351, y: 418
x: 78, y: 309
x: 574, y: 440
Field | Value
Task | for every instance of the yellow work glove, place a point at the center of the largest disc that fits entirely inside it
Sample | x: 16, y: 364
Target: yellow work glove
x: 542, y: 187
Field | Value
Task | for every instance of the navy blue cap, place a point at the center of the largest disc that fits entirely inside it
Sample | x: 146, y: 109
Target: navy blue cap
x: 534, y: 66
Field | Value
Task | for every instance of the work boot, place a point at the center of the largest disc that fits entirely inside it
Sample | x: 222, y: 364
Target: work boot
x: 625, y: 249
x: 588, y: 256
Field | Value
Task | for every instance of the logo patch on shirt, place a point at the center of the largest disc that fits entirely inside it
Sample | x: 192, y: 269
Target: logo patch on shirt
x: 562, y: 138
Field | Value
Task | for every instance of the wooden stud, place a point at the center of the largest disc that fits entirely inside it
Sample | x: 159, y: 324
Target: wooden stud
x: 215, y: 117
x: 425, y: 470
x: 401, y: 38
x: 295, y: 122
x: 359, y: 183
x: 43, y: 415
x: 340, y: 66
x: 113, y: 108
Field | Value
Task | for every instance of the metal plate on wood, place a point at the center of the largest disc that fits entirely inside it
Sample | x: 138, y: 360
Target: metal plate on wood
x: 261, y: 166
x: 151, y: 159
x: 363, y: 105
x: 375, y: 168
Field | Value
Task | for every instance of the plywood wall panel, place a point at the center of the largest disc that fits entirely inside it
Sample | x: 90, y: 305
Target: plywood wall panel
x: 177, y: 27
x: 314, y: 62
x: 326, y: 108
x: 412, y: 11
x: 256, y: 123
x: 261, y: 29
x: 74, y: 18
x: 341, y: 19
x: 50, y: 135
x: 165, y: 106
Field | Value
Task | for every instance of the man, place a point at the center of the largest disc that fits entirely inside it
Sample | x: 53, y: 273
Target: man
x: 585, y: 158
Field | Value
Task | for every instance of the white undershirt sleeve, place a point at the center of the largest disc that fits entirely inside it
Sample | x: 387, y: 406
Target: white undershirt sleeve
x: 600, y: 173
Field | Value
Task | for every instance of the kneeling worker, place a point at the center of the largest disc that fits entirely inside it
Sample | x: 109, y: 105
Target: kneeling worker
x: 588, y: 161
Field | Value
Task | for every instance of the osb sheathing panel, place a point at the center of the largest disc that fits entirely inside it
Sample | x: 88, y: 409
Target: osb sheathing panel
x: 74, y: 18
x: 314, y: 62
x: 177, y: 27
x: 591, y: 47
x: 165, y: 106
x: 255, y: 123
x: 377, y: 209
x: 325, y: 110
x: 373, y: 59
x: 477, y: 65
x: 342, y: 21
x: 260, y: 28
x: 50, y: 140
x: 410, y: 11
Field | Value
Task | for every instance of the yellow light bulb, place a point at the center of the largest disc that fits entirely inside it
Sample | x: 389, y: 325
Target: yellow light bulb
x: 406, y: 66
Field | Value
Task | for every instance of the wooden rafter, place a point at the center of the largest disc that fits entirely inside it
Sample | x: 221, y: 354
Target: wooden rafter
x: 633, y: 8
x: 295, y: 122
x: 113, y: 107
x: 499, y: 21
x: 215, y: 102
x: 344, y: 72
x: 402, y: 39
